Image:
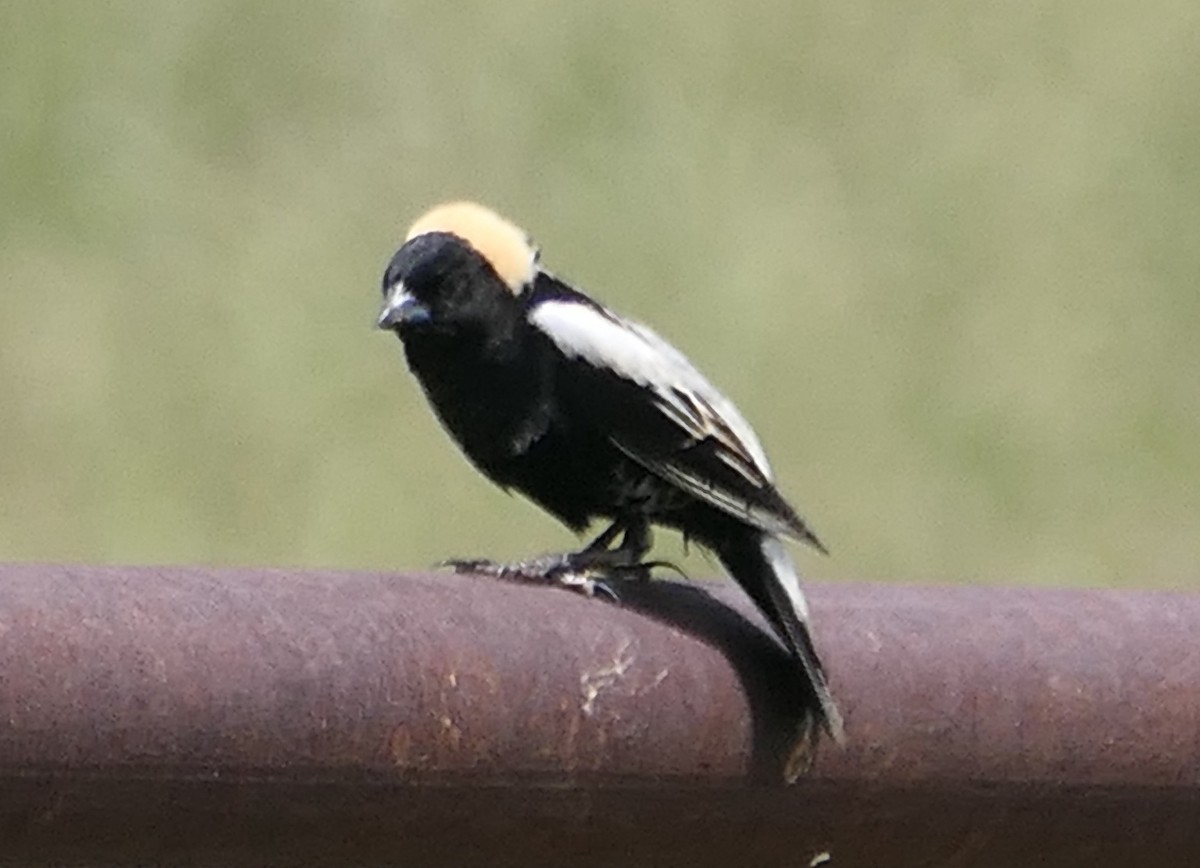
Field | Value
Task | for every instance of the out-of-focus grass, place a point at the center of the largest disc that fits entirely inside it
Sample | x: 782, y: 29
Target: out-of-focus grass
x: 944, y: 257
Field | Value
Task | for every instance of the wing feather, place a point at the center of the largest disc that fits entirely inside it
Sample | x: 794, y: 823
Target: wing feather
x: 711, y: 451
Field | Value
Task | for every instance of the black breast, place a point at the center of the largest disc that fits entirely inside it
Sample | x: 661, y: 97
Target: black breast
x: 492, y: 400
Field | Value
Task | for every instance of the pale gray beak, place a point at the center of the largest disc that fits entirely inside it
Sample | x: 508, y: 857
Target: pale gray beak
x: 401, y: 308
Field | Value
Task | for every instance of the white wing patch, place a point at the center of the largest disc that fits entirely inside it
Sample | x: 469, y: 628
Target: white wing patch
x: 606, y: 340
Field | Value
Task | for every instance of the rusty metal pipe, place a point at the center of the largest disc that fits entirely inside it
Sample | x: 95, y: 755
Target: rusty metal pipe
x: 246, y: 717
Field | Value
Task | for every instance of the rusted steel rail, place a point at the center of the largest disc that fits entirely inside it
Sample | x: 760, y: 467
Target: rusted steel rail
x: 248, y: 717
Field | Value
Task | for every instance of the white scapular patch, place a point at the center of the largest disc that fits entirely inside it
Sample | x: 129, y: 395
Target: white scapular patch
x: 636, y: 352
x: 501, y: 243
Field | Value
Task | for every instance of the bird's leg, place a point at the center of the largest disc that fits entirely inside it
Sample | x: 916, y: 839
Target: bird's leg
x: 588, y: 571
x: 602, y: 542
x: 627, y: 561
x: 637, y: 541
x: 555, y: 569
x: 598, y: 556
x: 595, y: 551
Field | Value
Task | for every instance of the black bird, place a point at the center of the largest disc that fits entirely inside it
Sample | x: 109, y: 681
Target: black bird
x: 591, y: 415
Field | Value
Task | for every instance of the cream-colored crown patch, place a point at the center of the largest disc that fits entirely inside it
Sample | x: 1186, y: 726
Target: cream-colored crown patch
x: 501, y: 243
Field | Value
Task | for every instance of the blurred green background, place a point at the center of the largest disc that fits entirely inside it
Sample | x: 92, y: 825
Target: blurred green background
x: 945, y: 257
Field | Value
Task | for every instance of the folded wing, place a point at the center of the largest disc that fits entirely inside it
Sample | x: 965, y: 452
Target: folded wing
x: 661, y: 411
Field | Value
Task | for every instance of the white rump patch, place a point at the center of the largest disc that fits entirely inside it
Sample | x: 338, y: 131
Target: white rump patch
x: 784, y: 568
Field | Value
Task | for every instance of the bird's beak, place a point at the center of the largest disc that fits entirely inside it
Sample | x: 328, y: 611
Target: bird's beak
x: 401, y: 308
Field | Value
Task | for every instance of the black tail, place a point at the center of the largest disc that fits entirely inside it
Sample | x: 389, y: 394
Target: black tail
x: 760, y: 563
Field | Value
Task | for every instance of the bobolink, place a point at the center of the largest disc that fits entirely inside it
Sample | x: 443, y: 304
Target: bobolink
x: 591, y: 415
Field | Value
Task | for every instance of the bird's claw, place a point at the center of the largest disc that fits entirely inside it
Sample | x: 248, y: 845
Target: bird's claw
x: 578, y: 571
x: 586, y: 585
x: 472, y: 565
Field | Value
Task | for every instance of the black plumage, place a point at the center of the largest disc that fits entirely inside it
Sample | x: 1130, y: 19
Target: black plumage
x: 590, y: 415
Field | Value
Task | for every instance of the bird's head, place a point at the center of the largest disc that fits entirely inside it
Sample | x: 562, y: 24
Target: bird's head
x: 460, y: 263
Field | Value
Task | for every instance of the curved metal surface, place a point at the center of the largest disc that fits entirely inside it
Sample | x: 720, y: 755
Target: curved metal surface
x: 233, y: 717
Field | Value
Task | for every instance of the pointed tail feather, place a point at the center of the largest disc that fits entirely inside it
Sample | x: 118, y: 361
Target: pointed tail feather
x: 760, y: 563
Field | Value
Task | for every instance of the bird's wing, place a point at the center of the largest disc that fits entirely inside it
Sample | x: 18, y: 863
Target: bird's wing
x: 662, y: 412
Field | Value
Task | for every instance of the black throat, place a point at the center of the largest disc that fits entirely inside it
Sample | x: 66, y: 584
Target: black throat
x: 489, y: 385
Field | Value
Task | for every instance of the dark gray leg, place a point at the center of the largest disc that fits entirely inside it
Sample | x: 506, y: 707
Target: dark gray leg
x: 588, y: 571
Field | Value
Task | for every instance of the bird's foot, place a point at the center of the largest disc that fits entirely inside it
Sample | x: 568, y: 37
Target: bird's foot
x: 590, y: 572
